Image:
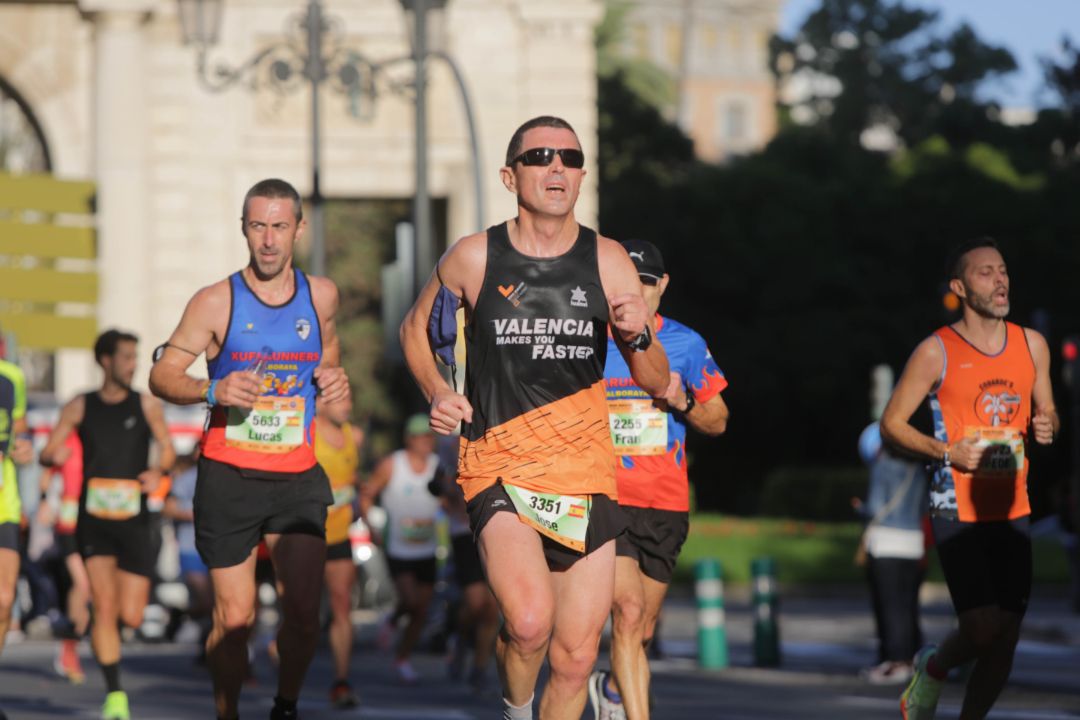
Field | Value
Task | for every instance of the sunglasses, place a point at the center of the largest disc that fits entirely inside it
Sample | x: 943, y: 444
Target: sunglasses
x: 544, y: 156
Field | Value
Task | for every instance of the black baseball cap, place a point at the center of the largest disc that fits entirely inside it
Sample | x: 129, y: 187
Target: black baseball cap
x: 647, y: 259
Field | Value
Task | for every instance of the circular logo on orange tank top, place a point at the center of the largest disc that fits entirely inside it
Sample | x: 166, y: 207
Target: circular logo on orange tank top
x: 997, y: 403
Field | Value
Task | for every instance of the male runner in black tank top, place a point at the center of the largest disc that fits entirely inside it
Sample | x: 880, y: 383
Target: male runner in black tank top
x: 115, y: 425
x: 539, y: 291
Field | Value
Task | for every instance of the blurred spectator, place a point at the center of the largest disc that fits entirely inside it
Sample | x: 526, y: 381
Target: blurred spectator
x: 401, y: 482
x: 893, y: 551
x: 194, y: 573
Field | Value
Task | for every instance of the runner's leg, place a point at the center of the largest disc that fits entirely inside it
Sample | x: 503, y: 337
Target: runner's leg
x: 9, y: 575
x: 340, y: 578
x: 234, y: 616
x: 298, y: 564
x: 133, y: 592
x: 415, y: 599
x: 628, y: 661
x: 513, y: 559
x: 104, y: 585
x: 582, y: 603
x: 996, y: 644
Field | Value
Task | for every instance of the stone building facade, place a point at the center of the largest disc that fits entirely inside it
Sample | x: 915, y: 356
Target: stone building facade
x: 116, y: 95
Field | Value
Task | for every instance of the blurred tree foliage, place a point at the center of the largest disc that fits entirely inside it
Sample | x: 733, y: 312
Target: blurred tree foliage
x: 359, y: 241
x: 811, y: 261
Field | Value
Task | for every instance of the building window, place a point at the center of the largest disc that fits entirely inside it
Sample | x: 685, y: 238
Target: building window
x: 736, y: 128
x: 673, y: 45
x: 22, y: 144
x: 641, y: 41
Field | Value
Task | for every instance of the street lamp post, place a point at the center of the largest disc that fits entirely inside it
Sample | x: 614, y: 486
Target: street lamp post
x: 316, y: 53
x: 313, y: 53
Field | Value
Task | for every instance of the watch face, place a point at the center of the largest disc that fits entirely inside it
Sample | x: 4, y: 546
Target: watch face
x: 159, y: 351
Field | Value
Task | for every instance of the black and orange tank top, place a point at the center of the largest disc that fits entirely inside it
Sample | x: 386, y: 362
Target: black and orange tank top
x: 987, y: 398
x: 535, y: 347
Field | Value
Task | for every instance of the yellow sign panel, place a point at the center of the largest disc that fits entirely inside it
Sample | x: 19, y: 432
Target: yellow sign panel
x: 46, y: 241
x: 46, y: 193
x: 50, y: 332
x: 41, y: 288
x: 48, y: 286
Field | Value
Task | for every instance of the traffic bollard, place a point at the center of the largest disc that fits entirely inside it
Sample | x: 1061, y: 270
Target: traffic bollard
x: 766, y: 621
x: 712, y: 635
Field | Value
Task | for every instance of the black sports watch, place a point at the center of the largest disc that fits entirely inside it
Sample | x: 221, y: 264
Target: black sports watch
x: 690, y: 402
x: 642, y: 342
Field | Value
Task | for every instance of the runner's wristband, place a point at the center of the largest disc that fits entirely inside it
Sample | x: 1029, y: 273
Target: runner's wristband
x: 211, y: 401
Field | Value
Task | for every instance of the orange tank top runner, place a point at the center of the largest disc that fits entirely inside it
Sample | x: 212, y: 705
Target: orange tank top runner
x: 986, y: 398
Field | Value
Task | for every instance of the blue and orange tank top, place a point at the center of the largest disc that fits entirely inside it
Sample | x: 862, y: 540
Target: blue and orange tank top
x: 987, y: 398
x: 535, y: 347
x: 283, y: 345
x: 651, y: 443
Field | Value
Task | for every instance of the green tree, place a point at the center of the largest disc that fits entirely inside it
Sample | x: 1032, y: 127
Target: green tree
x: 857, y: 64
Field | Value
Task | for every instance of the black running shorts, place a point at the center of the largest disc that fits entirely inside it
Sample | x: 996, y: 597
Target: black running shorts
x: 234, y: 511
x: 129, y: 541
x: 606, y: 522
x: 9, y: 536
x: 467, y: 568
x: 423, y: 569
x: 653, y: 538
x: 339, y: 551
x: 986, y: 563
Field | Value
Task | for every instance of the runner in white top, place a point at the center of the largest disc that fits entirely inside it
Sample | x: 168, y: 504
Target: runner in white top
x: 401, y: 482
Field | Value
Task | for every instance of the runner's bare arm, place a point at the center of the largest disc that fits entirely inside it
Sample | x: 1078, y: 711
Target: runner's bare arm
x: 330, y: 376
x: 461, y: 270
x: 629, y: 316
x: 154, y: 410
x: 22, y: 449
x: 1045, y: 422
x: 922, y: 372
x: 378, y: 480
x: 55, y: 452
x: 709, y: 417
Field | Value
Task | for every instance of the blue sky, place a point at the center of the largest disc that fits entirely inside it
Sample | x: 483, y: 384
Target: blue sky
x: 1028, y: 28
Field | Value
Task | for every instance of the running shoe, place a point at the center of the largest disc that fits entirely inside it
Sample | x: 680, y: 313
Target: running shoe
x: 889, y: 672
x: 603, y: 708
x: 920, y: 699
x: 281, y: 712
x: 342, y: 696
x: 116, y: 706
x: 406, y: 673
x: 67, y: 665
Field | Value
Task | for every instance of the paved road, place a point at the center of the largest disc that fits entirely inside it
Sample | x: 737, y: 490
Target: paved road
x: 826, y: 640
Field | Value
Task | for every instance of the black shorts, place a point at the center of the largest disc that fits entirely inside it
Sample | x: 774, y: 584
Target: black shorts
x: 606, y: 522
x: 129, y: 541
x: 67, y: 544
x: 654, y: 539
x: 9, y: 536
x: 233, y: 511
x: 986, y: 563
x: 423, y: 568
x: 467, y: 568
x: 339, y: 551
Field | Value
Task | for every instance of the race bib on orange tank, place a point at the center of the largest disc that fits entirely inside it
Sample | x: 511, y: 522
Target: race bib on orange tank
x: 274, y: 425
x: 113, y: 499
x: 1003, y: 454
